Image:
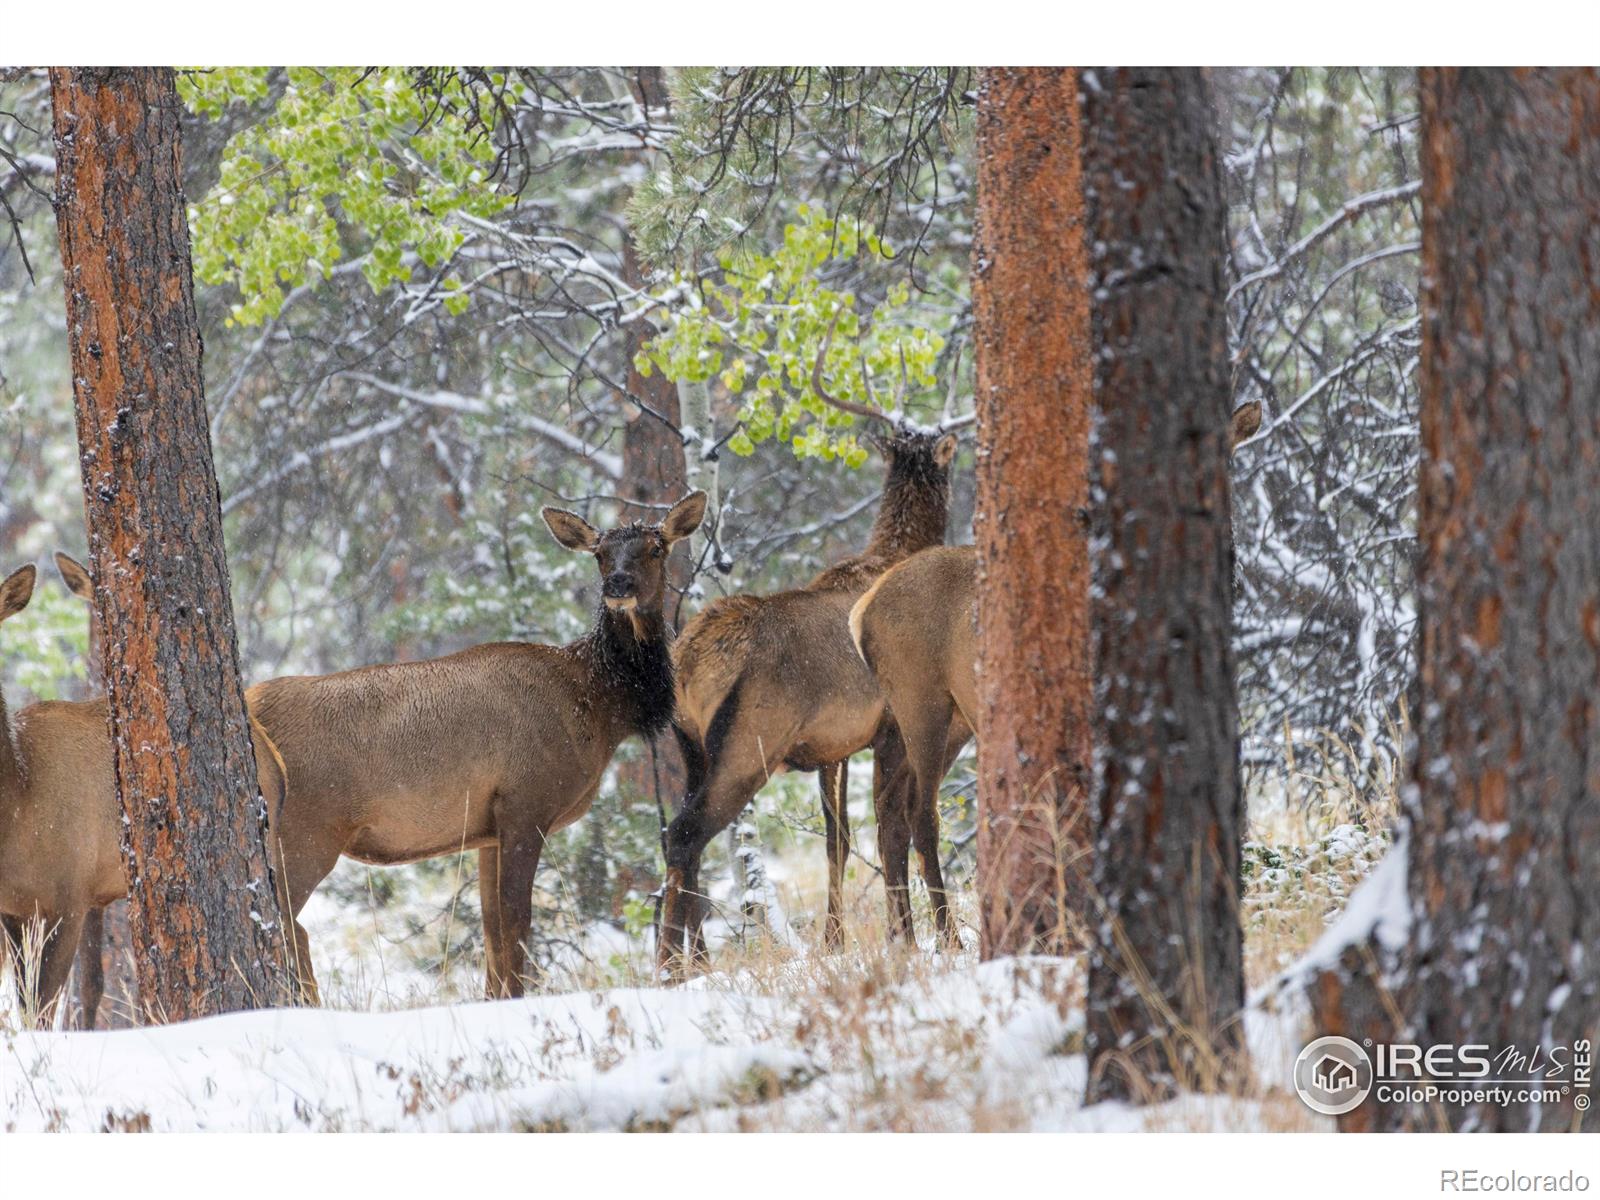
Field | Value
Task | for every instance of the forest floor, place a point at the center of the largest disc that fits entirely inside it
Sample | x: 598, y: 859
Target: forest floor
x: 779, y: 1037
x: 847, y: 1043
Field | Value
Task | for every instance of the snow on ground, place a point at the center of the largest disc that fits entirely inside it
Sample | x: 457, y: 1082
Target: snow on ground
x: 847, y: 1043
x: 781, y: 1038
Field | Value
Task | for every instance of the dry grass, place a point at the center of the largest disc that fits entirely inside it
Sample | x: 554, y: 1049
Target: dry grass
x: 1308, y: 847
x: 23, y: 1008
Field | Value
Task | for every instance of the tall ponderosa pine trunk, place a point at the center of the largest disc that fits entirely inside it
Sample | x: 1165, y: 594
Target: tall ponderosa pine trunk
x: 203, y: 910
x: 1031, y: 314
x: 1504, y: 821
x: 1505, y: 845
x: 1166, y: 978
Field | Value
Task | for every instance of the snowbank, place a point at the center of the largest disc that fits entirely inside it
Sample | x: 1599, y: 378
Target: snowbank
x: 815, y: 1044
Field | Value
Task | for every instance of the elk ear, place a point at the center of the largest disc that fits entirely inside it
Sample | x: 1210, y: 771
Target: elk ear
x: 76, y: 576
x: 571, y: 530
x: 685, y: 517
x: 1246, y: 420
x: 16, y: 591
x: 944, y: 450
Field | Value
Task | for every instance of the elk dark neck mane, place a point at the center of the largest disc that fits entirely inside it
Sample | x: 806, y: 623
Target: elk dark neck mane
x: 911, y: 517
x: 914, y: 508
x: 627, y: 655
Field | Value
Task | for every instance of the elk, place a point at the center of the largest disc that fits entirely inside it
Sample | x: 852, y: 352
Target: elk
x: 60, y: 823
x: 494, y: 748
x: 915, y: 629
x: 772, y: 683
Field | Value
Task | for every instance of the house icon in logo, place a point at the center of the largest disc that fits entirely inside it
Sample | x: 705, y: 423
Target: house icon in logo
x: 1333, y: 1074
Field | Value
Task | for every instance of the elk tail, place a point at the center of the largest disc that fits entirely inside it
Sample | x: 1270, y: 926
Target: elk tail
x: 858, y: 613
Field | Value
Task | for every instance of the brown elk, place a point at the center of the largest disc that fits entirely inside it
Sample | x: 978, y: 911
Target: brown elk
x: 916, y: 629
x: 494, y: 748
x: 772, y: 683
x: 60, y: 824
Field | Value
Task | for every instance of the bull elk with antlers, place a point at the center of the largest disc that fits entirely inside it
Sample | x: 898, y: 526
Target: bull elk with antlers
x: 915, y: 628
x: 60, y: 824
x: 772, y: 683
x: 494, y: 748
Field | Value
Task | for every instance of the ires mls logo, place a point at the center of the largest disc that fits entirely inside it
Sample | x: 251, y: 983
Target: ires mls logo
x: 1333, y: 1075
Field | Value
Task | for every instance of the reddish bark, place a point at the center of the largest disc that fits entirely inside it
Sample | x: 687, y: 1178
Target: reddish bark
x: 1031, y: 314
x: 203, y: 910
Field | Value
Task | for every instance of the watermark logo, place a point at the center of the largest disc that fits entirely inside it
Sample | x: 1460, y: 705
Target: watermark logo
x: 1333, y: 1075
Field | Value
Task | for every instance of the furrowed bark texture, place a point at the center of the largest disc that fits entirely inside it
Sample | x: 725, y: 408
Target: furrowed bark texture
x: 1166, y: 980
x: 203, y: 911
x: 1505, y: 817
x: 1033, y: 397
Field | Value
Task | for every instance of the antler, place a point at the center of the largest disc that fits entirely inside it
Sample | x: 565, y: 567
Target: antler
x: 849, y: 406
x: 947, y: 423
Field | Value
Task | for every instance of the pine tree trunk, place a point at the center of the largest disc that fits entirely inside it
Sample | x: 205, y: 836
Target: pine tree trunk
x: 1166, y: 978
x: 1504, y: 820
x: 203, y: 910
x: 1033, y: 397
x: 654, y: 472
x: 1505, y: 850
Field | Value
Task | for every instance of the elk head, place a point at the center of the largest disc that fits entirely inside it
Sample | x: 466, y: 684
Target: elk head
x: 632, y: 558
x: 16, y: 591
x: 905, y: 445
x: 1244, y: 424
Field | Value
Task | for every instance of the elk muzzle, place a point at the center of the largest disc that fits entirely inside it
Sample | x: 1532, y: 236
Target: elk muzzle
x: 620, y: 591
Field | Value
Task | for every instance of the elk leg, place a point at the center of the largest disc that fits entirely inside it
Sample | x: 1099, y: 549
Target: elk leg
x: 493, y: 925
x: 835, y: 783
x: 891, y: 788
x: 933, y: 736
x: 706, y: 813
x: 41, y: 987
x: 305, y: 979
x: 680, y: 890
x: 699, y: 957
x: 91, y: 966
x: 519, y: 862
x: 300, y: 867
x: 925, y: 837
x: 55, y: 963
